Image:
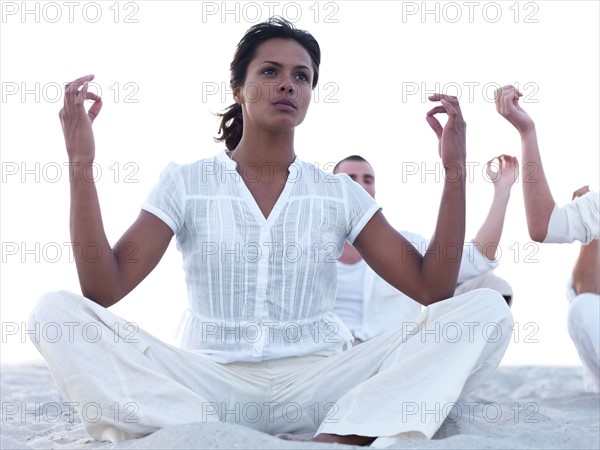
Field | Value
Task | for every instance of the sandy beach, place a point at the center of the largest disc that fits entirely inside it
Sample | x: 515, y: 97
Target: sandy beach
x: 519, y: 407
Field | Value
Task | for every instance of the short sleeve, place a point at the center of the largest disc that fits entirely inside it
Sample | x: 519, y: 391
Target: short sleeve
x: 576, y: 221
x: 360, y: 206
x: 167, y: 199
x: 474, y: 263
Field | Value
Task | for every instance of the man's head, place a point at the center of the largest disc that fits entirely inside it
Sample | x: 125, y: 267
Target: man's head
x: 359, y: 169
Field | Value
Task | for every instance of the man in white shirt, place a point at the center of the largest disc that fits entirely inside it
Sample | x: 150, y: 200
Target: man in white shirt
x: 369, y: 306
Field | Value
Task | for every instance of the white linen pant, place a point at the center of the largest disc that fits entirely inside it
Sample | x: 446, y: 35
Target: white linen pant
x: 488, y: 280
x: 584, y: 329
x: 126, y: 383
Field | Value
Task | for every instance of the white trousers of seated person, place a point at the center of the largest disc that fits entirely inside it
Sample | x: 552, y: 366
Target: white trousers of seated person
x: 584, y: 329
x: 487, y: 280
x: 126, y: 383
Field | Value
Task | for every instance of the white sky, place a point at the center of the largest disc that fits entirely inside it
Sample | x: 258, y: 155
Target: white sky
x: 162, y: 69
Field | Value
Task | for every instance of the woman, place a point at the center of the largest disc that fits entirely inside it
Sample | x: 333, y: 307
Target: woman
x: 260, y: 232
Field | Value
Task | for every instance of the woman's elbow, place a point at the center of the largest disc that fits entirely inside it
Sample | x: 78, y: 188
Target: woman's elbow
x: 429, y: 298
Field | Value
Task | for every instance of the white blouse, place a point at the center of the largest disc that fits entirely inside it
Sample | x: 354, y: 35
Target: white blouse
x: 260, y: 288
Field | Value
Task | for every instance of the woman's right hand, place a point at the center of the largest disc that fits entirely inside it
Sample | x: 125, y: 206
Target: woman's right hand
x: 76, y: 123
x: 507, y: 105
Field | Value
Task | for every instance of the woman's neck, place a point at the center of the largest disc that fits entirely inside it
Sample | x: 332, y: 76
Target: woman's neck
x: 274, y: 151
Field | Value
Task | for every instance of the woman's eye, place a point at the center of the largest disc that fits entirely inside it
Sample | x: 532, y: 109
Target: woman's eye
x: 269, y: 71
x: 302, y: 77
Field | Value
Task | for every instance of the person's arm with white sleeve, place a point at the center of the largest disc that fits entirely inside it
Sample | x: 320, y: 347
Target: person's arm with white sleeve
x: 546, y: 222
x: 539, y: 202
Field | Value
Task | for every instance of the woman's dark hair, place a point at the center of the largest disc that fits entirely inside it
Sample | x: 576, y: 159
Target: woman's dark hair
x: 275, y: 28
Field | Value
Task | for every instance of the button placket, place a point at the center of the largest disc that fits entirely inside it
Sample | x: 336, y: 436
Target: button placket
x: 261, y: 287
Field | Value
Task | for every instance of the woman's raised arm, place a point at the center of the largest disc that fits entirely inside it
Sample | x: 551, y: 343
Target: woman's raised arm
x: 431, y: 277
x: 106, y: 274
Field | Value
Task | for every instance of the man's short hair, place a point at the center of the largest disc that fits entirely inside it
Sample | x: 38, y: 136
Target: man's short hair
x: 350, y: 158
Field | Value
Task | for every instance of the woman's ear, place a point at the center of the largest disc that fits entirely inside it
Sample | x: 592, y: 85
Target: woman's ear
x: 237, y: 95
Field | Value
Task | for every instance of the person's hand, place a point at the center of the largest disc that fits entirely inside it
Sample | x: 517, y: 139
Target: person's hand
x: 76, y: 123
x: 507, y: 105
x: 503, y: 171
x: 452, y: 145
x: 581, y: 191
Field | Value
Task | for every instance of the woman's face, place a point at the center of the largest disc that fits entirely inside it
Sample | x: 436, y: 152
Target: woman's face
x: 277, y: 90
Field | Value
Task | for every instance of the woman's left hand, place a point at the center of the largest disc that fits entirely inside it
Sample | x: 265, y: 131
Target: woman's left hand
x: 452, y: 136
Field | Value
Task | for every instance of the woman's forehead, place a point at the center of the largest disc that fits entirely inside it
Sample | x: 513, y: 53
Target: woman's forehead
x: 283, y: 51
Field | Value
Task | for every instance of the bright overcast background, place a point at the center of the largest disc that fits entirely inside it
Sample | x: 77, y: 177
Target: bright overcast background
x: 162, y: 69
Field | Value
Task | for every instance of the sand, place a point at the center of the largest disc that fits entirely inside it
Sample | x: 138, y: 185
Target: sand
x: 519, y: 407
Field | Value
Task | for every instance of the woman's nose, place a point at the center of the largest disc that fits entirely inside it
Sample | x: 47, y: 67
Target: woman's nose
x: 287, y: 85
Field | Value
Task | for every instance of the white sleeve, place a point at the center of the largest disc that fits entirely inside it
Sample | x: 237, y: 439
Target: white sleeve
x: 474, y: 263
x: 576, y: 221
x: 167, y: 199
x: 360, y: 206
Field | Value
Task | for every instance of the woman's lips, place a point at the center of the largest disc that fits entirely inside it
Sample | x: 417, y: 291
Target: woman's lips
x: 284, y: 105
